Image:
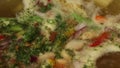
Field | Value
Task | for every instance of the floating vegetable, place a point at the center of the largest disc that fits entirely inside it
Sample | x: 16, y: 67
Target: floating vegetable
x: 52, y: 36
x: 78, y: 29
x: 101, y: 38
x: 100, y: 18
x: 2, y: 37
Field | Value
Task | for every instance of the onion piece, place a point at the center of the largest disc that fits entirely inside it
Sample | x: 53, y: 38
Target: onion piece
x: 45, y: 56
x: 4, y: 44
x: 40, y: 14
x: 76, y: 45
x: 76, y: 64
x: 80, y: 26
x: 78, y: 30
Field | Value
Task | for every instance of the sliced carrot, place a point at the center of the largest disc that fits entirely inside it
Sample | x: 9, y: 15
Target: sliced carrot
x: 100, y: 18
x: 60, y: 63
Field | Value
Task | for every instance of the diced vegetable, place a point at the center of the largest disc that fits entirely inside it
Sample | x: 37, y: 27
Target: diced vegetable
x: 88, y: 35
x: 78, y: 30
x: 100, y: 18
x: 16, y: 28
x: 80, y: 26
x: 52, y: 36
x: 33, y: 59
x: 2, y: 37
x: 75, y: 45
x: 101, y: 38
x: 44, y: 9
x: 4, y: 44
x: 49, y: 0
x: 47, y: 64
x: 65, y: 55
x: 31, y: 33
x: 60, y: 63
x: 81, y: 19
x: 76, y: 64
x: 58, y: 18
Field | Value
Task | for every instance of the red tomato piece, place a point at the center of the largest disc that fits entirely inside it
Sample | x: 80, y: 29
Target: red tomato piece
x: 52, y: 36
x: 49, y: 0
x: 2, y: 37
x: 100, y: 39
x: 100, y: 18
x: 33, y: 59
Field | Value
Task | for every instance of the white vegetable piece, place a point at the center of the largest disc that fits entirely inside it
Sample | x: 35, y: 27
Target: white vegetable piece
x: 88, y: 35
x: 75, y: 45
x: 65, y: 55
x: 77, y: 64
x: 80, y: 26
x: 48, y: 55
